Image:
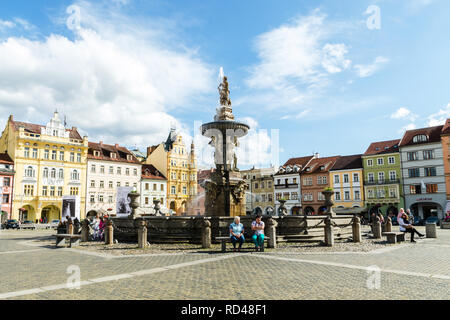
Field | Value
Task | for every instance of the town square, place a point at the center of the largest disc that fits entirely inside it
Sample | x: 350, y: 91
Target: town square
x: 183, y: 151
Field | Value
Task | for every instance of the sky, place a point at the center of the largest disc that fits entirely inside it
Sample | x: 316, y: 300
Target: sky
x: 308, y: 76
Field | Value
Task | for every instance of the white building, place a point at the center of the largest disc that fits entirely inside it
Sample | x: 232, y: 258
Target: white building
x: 423, y: 172
x: 109, y: 167
x: 287, y: 183
x: 153, y: 187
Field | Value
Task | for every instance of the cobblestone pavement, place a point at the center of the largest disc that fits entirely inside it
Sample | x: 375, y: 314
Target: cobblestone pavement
x: 408, y: 271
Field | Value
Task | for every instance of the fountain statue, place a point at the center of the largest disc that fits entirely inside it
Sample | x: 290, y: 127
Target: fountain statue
x: 225, y: 190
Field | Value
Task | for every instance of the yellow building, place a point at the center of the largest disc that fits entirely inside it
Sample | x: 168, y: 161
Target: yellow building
x: 50, y: 163
x: 179, y: 166
x: 346, y: 178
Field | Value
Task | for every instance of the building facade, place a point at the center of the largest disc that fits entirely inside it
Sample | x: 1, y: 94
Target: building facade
x: 423, y: 172
x: 50, y: 163
x: 315, y: 178
x: 153, y: 187
x: 383, y: 178
x: 260, y: 192
x: 108, y: 168
x: 445, y: 140
x: 287, y: 184
x: 6, y: 183
x: 346, y: 178
x: 179, y: 166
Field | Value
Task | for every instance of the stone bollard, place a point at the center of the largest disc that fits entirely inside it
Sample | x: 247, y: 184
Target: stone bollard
x: 430, y: 230
x: 356, y: 228
x: 388, y: 224
x: 329, y: 234
x: 272, y: 233
x: 206, y: 234
x: 85, y: 231
x: 69, y: 227
x: 377, y: 228
x: 109, y: 233
x: 142, y: 234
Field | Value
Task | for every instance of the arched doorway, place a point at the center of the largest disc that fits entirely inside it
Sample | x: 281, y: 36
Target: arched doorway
x: 309, y: 211
x: 257, y: 211
x: 424, y: 210
x: 173, y: 206
x: 50, y: 213
x: 27, y: 212
x: 296, y: 211
x: 322, y: 210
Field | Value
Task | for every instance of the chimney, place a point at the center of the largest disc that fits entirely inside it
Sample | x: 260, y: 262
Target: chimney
x: 117, y: 146
x: 101, y: 143
x: 316, y: 155
x: 11, y: 118
x: 74, y: 128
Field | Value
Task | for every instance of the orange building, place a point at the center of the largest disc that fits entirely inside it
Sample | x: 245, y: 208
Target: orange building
x: 445, y: 140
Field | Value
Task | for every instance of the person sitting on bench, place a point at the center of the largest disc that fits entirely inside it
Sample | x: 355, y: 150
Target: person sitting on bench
x: 406, y: 226
x: 237, y: 233
x: 258, y: 229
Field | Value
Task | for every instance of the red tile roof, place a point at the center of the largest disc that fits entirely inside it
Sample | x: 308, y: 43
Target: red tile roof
x: 348, y: 163
x: 433, y: 134
x: 316, y: 164
x: 106, y: 150
x: 36, y: 128
x: 382, y: 147
x: 301, y: 162
x: 150, y: 172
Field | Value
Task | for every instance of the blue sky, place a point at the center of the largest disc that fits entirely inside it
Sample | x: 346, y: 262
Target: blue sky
x: 311, y: 69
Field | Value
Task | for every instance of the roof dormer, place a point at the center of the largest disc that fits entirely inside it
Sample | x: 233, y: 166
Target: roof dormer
x: 420, y: 138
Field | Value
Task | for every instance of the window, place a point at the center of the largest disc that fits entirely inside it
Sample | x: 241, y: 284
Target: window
x: 127, y: 171
x: 184, y: 190
x: 307, y: 182
x: 111, y: 185
x: 61, y: 156
x: 35, y: 153
x: 391, y: 160
x: 413, y: 156
x: 44, y: 191
x: 347, y: 195
x: 72, y: 157
x: 414, y: 173
x: 127, y: 184
x: 322, y: 180
x: 100, y: 198
x: 93, y: 168
x: 346, y: 178
x: 337, y: 196
x: 118, y: 184
x: 135, y: 172
x: 92, y: 198
x: 46, y: 154
x: 392, y: 175
x: 113, y: 155
x: 430, y: 172
x: 357, y: 195
x: 110, y: 199
x: 262, y: 183
x: 392, y: 193
x: 294, y: 196
x: 432, y: 188
x: 29, y: 172
x: 155, y: 187
x: 119, y: 171
x: 102, y: 169
x: 380, y: 177
x: 146, y: 201
x: 371, y: 177
x: 6, y: 198
x: 26, y: 152
x: 75, y: 175
x: 269, y: 184
x: 381, y: 193
x: 92, y: 183
x: 6, y: 182
x: 370, y: 162
x: 54, y: 154
x: 60, y: 191
x: 370, y: 194
x: 173, y: 190
x: 420, y: 138
x: 28, y: 190
x: 336, y: 178
x: 355, y: 177
x: 380, y: 161
x: 428, y: 154
x: 74, y: 191
x: 415, y: 189
x: 102, y: 184
x: 45, y: 173
x: 320, y: 196
x: 287, y: 196
x: 111, y: 170
x: 162, y: 187
x: 278, y: 196
x: 270, y: 197
x: 52, y: 191
x: 256, y: 186
x: 53, y: 173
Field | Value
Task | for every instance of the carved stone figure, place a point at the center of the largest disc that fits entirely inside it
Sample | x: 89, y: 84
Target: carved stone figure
x: 224, y: 92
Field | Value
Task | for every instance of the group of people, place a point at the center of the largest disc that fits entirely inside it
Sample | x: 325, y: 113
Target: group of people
x: 405, y: 223
x: 98, y: 224
x: 237, y: 233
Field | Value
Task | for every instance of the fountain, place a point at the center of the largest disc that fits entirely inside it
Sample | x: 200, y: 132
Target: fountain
x: 225, y: 190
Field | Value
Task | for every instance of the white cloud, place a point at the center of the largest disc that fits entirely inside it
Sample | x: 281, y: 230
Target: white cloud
x: 334, y: 58
x: 118, y: 80
x: 410, y: 126
x: 364, y: 71
x: 439, y: 117
x: 405, y: 114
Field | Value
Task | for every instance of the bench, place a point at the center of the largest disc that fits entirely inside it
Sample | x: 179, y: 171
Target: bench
x: 394, y: 237
x: 224, y: 241
x: 74, y: 239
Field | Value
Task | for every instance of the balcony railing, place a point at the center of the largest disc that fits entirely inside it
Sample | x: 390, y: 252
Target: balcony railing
x: 286, y: 185
x: 380, y: 182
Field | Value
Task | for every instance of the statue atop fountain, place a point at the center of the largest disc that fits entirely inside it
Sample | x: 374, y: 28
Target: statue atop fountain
x: 225, y: 190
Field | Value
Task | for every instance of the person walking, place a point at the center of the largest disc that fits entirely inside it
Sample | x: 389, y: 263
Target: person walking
x: 406, y: 226
x: 237, y: 233
x: 258, y: 236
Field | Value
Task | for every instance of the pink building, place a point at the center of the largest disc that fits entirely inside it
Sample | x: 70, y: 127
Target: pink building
x: 6, y: 183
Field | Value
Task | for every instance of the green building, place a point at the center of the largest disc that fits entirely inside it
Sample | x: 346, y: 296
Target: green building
x: 383, y: 178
